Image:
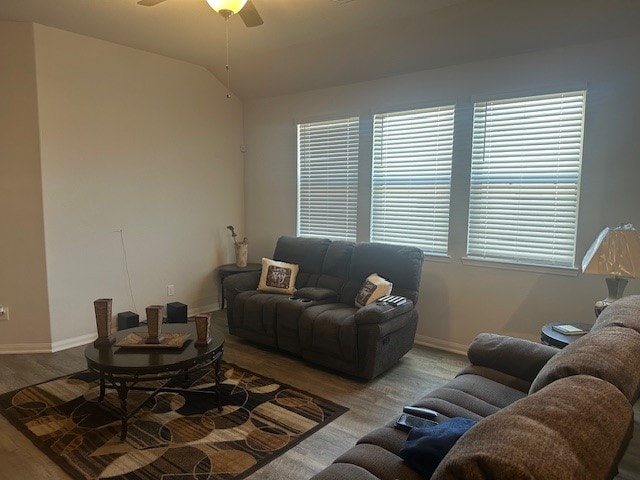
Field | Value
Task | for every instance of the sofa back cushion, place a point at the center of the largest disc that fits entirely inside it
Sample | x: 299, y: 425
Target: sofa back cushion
x: 612, y: 354
x: 577, y: 427
x: 623, y: 313
x: 307, y: 253
x: 401, y: 265
x: 335, y: 268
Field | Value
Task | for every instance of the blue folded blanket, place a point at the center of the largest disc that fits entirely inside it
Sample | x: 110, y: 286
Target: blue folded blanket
x: 426, y: 447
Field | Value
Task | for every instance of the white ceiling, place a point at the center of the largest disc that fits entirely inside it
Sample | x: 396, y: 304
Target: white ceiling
x: 309, y: 44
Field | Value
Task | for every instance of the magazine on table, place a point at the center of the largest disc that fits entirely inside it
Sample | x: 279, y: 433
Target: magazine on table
x: 569, y: 329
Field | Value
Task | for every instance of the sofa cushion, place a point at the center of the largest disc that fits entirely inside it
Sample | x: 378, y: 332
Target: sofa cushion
x: 497, y: 376
x: 329, y: 330
x: 372, y: 289
x: 338, y: 259
x: 344, y: 470
x: 288, y: 312
x: 471, y: 396
x: 537, y: 437
x: 316, y: 293
x: 378, y: 461
x: 307, y: 253
x: 278, y: 277
x: 387, y: 437
x: 609, y: 353
x: 622, y: 313
x: 254, y: 314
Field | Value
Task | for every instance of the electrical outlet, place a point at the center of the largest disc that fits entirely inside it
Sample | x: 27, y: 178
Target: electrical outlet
x: 4, y: 313
x: 171, y: 290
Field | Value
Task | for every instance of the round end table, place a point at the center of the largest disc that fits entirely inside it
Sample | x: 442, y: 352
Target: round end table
x: 549, y: 336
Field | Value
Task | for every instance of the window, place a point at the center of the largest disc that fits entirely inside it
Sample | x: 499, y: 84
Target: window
x: 411, y: 179
x: 328, y: 178
x: 525, y: 176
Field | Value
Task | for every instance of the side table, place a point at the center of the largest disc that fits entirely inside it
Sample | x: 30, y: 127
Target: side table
x: 549, y: 336
x: 231, y: 269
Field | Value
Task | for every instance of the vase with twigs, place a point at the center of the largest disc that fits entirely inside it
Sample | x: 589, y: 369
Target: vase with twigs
x: 241, y: 248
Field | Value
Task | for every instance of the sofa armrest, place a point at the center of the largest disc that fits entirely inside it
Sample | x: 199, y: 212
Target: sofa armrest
x: 515, y: 356
x: 241, y: 282
x: 576, y: 427
x: 374, y: 313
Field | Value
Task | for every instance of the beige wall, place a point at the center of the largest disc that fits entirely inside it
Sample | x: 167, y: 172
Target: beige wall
x: 136, y: 142
x: 459, y: 301
x: 23, y: 282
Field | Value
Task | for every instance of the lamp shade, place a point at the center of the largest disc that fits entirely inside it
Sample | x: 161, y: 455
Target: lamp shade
x: 616, y: 252
x: 233, y: 6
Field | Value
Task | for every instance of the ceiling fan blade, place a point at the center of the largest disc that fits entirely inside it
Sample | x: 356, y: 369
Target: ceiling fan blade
x: 250, y: 15
x: 149, y: 3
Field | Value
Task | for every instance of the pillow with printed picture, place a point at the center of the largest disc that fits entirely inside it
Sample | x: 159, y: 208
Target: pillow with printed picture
x: 372, y: 289
x: 278, y: 277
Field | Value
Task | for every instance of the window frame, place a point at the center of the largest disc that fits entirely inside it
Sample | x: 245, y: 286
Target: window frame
x: 524, y: 263
x: 350, y: 122
x: 428, y: 132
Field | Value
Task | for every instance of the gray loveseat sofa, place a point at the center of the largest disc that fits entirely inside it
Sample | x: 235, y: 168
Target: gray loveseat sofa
x: 320, y: 321
x: 542, y: 413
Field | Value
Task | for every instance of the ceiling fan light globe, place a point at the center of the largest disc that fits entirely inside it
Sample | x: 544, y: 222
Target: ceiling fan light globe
x: 227, y: 7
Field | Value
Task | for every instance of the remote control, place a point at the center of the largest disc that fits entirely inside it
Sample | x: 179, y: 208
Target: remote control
x: 406, y: 422
x: 421, y: 412
x: 395, y: 300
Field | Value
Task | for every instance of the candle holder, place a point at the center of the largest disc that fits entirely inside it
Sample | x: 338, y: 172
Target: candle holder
x: 154, y: 324
x: 102, y: 308
x: 202, y: 330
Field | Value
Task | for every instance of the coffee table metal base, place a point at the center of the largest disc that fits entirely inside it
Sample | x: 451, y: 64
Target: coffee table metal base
x: 124, y: 383
x: 124, y: 369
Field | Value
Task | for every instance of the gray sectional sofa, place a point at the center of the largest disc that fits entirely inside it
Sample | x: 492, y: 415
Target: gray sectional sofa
x: 542, y: 413
x: 320, y: 321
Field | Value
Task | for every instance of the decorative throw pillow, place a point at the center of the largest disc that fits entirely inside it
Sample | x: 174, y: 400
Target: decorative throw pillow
x: 278, y: 277
x: 372, y: 289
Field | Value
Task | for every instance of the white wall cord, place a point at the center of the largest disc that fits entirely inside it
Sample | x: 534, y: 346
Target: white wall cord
x: 126, y: 267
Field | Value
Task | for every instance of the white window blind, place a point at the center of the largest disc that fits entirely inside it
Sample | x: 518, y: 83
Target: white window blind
x: 328, y: 178
x: 411, y: 178
x: 525, y: 176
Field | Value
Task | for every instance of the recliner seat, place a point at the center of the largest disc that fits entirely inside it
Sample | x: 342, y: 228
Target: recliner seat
x: 321, y: 322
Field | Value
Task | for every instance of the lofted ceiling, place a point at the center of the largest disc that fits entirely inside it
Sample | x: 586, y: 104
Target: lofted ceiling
x: 310, y: 44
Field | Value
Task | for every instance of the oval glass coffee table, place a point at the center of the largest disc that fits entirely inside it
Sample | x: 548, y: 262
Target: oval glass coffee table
x: 123, y: 368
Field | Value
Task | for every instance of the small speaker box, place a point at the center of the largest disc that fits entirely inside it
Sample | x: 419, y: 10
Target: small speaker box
x: 176, y: 312
x: 128, y: 320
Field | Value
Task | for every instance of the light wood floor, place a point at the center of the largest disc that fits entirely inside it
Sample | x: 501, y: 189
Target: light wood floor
x: 371, y: 404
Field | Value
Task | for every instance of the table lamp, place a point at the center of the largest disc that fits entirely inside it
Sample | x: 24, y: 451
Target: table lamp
x: 616, y: 252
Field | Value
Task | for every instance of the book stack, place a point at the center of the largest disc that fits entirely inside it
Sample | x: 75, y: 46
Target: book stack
x: 569, y: 329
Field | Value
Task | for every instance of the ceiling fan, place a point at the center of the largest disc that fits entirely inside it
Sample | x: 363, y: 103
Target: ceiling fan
x: 246, y: 9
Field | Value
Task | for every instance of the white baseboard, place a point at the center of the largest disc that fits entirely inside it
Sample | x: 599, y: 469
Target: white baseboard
x: 204, y: 309
x: 73, y: 342
x: 20, y: 348
x: 15, y: 348
x: 441, y: 344
x: 88, y: 338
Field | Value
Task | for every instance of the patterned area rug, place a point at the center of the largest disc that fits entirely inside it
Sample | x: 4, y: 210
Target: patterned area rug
x: 175, y: 436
